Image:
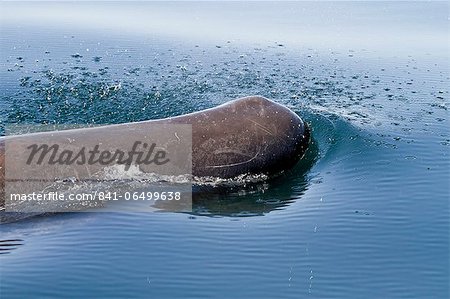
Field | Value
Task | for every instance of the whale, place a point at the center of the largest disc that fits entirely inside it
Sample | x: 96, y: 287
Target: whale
x: 249, y: 135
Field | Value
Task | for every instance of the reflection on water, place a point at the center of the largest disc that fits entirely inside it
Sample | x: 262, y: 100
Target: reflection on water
x: 255, y: 199
x: 249, y: 195
x: 6, y: 246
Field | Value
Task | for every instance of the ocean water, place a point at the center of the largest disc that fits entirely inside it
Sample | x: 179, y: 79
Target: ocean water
x: 364, y: 215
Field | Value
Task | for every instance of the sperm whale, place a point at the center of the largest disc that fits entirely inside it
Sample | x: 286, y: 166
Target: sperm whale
x: 247, y: 135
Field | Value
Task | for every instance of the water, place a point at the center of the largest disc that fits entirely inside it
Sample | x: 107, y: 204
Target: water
x: 366, y: 214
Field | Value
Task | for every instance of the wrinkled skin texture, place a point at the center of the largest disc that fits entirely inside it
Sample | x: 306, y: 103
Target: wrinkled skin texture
x: 247, y: 135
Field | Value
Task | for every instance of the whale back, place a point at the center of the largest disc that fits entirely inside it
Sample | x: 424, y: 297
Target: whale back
x: 247, y: 135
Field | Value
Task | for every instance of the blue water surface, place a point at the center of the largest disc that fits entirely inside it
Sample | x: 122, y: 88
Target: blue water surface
x: 365, y: 215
